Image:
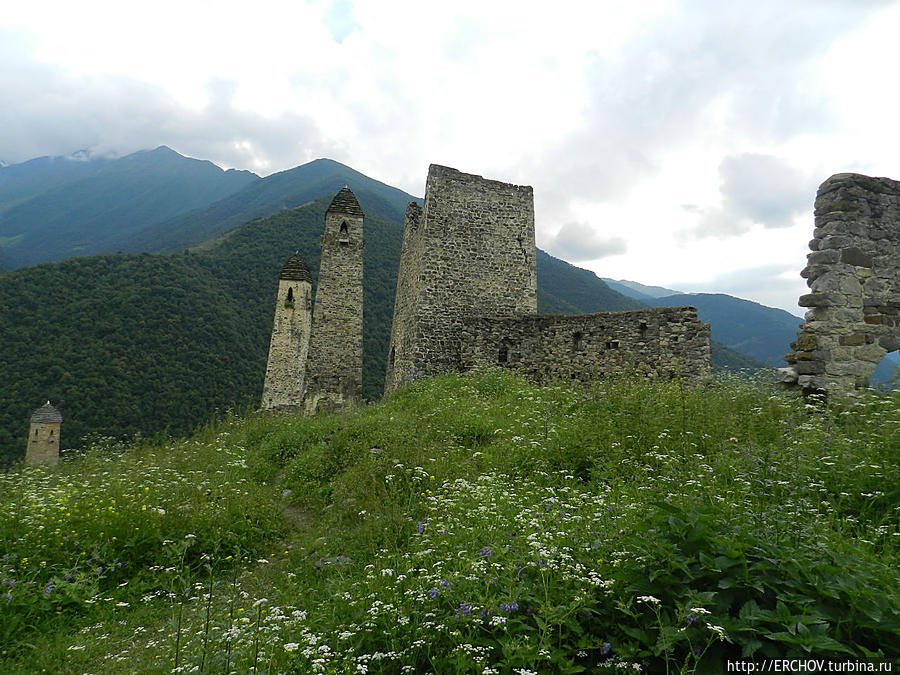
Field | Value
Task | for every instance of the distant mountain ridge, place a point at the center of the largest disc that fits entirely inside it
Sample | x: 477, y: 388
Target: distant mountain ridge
x: 53, y: 208
x: 638, y: 291
x: 269, y: 195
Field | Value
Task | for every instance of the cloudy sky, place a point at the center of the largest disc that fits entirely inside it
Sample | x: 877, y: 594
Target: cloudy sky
x: 671, y: 142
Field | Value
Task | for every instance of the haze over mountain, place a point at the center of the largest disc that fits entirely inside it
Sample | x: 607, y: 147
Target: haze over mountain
x: 636, y: 290
x: 52, y: 208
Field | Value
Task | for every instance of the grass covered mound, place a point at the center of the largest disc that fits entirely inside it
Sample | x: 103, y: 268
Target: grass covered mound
x: 468, y: 524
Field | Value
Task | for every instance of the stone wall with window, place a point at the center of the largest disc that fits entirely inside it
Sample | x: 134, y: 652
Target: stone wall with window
x: 661, y: 343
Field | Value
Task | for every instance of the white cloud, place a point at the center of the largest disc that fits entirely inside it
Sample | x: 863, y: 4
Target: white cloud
x: 578, y: 242
x: 756, y: 190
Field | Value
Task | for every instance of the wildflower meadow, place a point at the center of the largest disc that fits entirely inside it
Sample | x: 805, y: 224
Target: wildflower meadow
x: 468, y: 524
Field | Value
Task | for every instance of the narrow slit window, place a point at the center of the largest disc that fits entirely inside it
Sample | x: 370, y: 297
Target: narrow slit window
x: 503, y: 354
x: 344, y: 233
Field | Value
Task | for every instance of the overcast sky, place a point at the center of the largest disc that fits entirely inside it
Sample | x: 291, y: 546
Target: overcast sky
x: 671, y: 142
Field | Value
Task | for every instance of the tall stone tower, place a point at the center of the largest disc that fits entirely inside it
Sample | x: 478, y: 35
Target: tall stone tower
x: 288, y: 348
x: 43, y: 436
x: 468, y: 253
x: 334, y: 366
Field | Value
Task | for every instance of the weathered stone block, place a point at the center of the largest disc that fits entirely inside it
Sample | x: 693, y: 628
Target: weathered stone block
x: 806, y: 342
x: 809, y: 368
x: 870, y: 352
x: 836, y: 241
x: 848, y: 368
x: 828, y: 257
x: 822, y: 300
x: 890, y: 343
x: 852, y: 340
x: 856, y: 256
x: 786, y: 375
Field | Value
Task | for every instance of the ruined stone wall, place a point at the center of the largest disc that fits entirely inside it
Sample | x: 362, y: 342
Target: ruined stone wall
x: 334, y: 363
x: 664, y: 342
x: 853, y: 273
x: 288, y: 348
x: 472, y: 254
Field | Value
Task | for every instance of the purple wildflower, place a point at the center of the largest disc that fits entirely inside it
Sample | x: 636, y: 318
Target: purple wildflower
x: 49, y: 588
x: 464, y: 610
x: 420, y: 527
x: 485, y: 552
x: 606, y: 649
x: 433, y: 593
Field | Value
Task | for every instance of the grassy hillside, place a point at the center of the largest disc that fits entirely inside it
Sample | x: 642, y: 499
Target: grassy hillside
x: 70, y: 208
x: 468, y: 524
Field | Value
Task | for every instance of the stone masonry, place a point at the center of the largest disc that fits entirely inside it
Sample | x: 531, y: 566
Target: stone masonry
x: 43, y: 436
x: 468, y: 252
x: 666, y: 342
x: 334, y: 363
x: 288, y: 348
x: 467, y: 297
x: 853, y: 272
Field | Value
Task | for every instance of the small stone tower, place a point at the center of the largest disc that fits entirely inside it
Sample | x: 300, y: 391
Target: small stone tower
x: 286, y: 367
x: 43, y: 436
x: 469, y: 252
x: 334, y: 366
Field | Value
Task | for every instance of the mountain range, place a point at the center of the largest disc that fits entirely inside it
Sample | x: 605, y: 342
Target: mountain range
x: 138, y: 343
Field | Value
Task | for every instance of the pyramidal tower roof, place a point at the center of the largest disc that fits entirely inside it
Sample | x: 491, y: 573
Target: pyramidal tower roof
x: 46, y: 413
x: 345, y: 202
x: 295, y: 269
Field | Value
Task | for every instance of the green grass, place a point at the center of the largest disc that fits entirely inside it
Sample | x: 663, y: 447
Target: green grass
x: 468, y: 524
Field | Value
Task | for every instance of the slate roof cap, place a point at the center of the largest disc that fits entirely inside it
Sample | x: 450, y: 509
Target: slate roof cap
x: 46, y: 413
x: 295, y: 269
x: 345, y: 202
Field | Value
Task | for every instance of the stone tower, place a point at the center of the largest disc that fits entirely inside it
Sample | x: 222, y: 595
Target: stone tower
x: 43, y: 436
x: 288, y: 348
x: 469, y: 252
x: 334, y: 366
